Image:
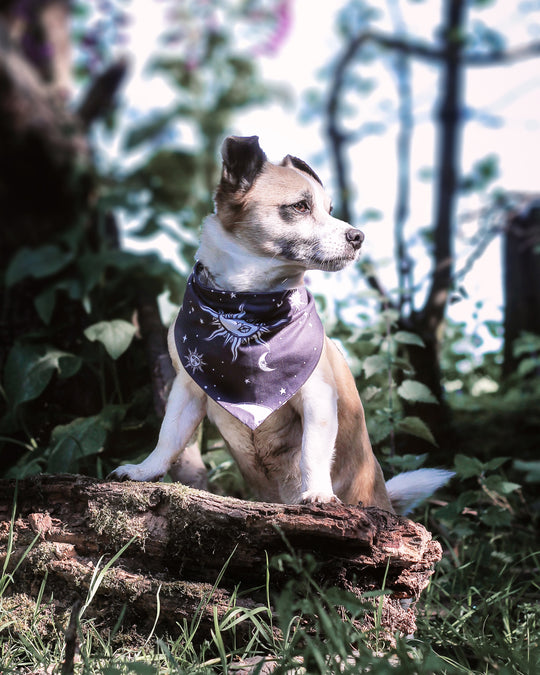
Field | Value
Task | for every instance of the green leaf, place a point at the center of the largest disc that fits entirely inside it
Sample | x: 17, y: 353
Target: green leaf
x: 527, y: 343
x: 407, y: 338
x: 148, y: 130
x: 370, y: 392
x: 532, y: 470
x: 494, y: 516
x: 115, y: 335
x: 370, y: 214
x: 495, y: 328
x: 495, y: 463
x: 528, y: 366
x: 380, y: 429
x: 29, y: 369
x: 414, y: 391
x: 83, y: 437
x: 37, y: 262
x: 45, y: 302
x: 498, y: 484
x: 416, y: 427
x: 467, y: 467
x: 374, y: 364
x: 407, y: 462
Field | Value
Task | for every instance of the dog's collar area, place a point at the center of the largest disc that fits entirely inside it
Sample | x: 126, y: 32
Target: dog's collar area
x: 265, y: 305
x: 210, y: 280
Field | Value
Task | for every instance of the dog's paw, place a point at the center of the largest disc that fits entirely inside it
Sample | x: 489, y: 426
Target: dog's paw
x: 316, y: 497
x: 136, y: 472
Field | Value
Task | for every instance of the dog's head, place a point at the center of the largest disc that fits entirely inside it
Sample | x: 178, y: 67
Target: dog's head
x: 281, y: 211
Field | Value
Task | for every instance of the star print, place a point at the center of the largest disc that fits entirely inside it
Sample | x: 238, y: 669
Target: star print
x: 282, y: 391
x: 233, y: 295
x: 184, y: 338
x: 247, y: 381
x: 296, y: 300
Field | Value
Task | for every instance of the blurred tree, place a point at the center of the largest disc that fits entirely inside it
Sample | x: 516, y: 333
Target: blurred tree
x: 521, y: 286
x: 82, y: 345
x: 460, y: 45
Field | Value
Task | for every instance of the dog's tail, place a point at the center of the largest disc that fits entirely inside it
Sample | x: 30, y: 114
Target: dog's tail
x: 407, y: 490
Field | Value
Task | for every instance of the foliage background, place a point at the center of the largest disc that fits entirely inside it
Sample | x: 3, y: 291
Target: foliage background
x: 78, y: 379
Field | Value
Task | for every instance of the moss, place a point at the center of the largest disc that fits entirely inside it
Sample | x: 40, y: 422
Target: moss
x: 20, y: 614
x: 121, y: 588
x: 185, y: 588
x: 184, y: 534
x: 137, y: 498
x: 179, y: 495
x: 40, y: 557
x: 116, y: 525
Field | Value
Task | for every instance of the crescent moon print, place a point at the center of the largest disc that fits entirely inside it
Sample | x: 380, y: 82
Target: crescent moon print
x: 263, y: 365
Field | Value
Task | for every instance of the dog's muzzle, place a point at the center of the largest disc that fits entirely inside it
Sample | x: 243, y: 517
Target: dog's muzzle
x: 354, y: 237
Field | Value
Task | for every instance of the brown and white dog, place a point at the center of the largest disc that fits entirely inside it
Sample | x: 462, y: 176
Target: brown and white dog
x: 272, y: 224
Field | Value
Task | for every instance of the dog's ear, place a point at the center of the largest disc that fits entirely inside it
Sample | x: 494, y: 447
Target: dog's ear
x: 299, y: 164
x: 243, y: 160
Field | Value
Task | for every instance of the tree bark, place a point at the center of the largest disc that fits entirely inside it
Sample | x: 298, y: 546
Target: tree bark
x: 521, y: 280
x: 192, y: 549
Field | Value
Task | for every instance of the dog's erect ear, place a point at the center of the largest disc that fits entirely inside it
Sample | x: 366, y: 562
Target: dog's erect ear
x: 243, y: 160
x: 299, y: 164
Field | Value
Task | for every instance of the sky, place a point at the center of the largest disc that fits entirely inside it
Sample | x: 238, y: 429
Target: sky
x: 508, y: 98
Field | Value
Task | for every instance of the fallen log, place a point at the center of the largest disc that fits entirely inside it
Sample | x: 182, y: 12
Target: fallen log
x: 185, y: 551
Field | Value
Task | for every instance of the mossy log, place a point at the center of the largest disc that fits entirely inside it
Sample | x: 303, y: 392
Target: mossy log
x: 188, y: 550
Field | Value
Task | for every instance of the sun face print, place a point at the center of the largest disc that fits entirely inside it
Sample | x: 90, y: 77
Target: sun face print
x: 236, y: 330
x: 194, y: 361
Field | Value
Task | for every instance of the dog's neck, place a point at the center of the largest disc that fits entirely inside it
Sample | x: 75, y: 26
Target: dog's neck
x: 230, y: 266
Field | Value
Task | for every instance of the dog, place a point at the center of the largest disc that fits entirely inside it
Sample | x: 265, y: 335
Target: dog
x: 250, y: 352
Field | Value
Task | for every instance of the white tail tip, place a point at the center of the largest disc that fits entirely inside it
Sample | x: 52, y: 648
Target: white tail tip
x: 407, y: 490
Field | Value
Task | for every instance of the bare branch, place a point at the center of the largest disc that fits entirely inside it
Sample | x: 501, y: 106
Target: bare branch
x: 427, y: 52
x: 503, y: 57
x: 338, y: 141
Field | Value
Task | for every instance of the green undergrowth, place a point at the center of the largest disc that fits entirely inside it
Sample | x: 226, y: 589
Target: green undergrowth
x: 479, y: 615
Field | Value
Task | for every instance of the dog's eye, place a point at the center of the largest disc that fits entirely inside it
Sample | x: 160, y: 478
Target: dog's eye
x: 301, y: 207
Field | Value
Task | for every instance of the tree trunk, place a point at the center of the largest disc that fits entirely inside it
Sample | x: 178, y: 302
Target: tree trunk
x: 521, y: 280
x: 192, y: 549
x: 428, y: 322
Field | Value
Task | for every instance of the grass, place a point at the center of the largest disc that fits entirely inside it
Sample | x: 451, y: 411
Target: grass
x: 479, y: 615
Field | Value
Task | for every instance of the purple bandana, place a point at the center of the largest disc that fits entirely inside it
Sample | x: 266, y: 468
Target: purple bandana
x: 251, y: 352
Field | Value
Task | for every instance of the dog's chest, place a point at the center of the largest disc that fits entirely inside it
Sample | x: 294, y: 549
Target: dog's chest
x: 269, y: 456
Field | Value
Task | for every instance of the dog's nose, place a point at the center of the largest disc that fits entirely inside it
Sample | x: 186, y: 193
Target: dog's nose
x: 355, y: 237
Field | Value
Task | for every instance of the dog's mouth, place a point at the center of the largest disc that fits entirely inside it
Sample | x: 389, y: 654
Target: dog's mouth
x: 311, y: 255
x: 331, y: 265
x: 334, y: 265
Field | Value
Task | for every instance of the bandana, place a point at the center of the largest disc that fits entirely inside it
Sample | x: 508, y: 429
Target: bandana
x: 250, y: 352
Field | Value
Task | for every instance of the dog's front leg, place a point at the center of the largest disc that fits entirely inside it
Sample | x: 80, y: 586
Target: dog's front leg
x: 320, y: 426
x: 186, y: 408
